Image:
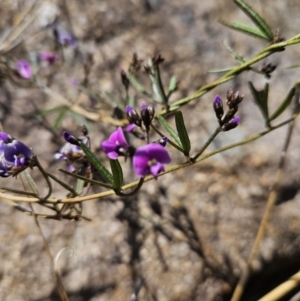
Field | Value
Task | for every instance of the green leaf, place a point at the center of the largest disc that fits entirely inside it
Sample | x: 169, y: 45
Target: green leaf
x: 244, y: 28
x: 79, y: 186
x: 261, y: 99
x: 60, y: 117
x: 97, y: 164
x: 173, y: 84
x: 50, y: 111
x: 256, y: 19
x: 91, y: 94
x: 131, y: 101
x: 167, y: 127
x: 182, y: 133
x: 293, y: 66
x: 80, y: 119
x: 169, y: 140
x: 77, y: 176
x: 234, y: 54
x: 137, y: 85
x: 286, y: 102
x: 31, y: 182
x: 117, y: 173
x: 220, y: 70
x: 112, y: 99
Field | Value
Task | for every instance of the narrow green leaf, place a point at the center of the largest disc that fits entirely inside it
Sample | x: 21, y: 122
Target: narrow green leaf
x: 60, y: 118
x: 31, y: 182
x: 97, y: 164
x: 244, y: 28
x: 77, y: 176
x: 62, y: 183
x: 79, y: 186
x: 113, y: 100
x: 80, y: 119
x: 136, y: 84
x: 182, y: 133
x: 261, y: 99
x: 234, y: 54
x: 225, y: 69
x: 91, y: 94
x: 293, y: 66
x: 17, y: 191
x: 169, y: 140
x: 256, y: 19
x: 117, y: 173
x: 286, y: 102
x: 49, y: 111
x: 131, y: 101
x: 167, y: 127
x: 173, y: 84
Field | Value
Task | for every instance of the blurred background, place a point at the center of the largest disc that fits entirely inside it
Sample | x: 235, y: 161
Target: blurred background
x: 190, y: 233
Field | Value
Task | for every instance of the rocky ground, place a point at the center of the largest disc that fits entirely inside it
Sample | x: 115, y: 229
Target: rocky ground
x: 189, y: 233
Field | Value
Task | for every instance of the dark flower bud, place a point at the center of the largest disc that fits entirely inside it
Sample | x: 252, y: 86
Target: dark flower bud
x: 233, y: 123
x: 267, y: 69
x: 147, y: 114
x: 70, y: 138
x: 84, y: 129
x: 163, y: 141
x: 229, y: 114
x: 125, y: 80
x: 133, y: 116
x: 233, y: 99
x: 218, y: 107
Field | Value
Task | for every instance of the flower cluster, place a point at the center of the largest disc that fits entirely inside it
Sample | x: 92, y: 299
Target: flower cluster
x: 142, y: 120
x: 71, y: 151
x: 229, y: 121
x: 15, y: 156
x: 147, y: 159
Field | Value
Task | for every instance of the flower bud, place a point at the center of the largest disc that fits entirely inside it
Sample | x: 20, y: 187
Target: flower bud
x: 218, y: 107
x: 233, y: 99
x: 133, y: 116
x: 125, y: 80
x: 233, y: 123
x: 147, y: 114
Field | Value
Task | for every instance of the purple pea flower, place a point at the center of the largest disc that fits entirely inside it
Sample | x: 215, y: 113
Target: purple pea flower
x: 116, y: 145
x: 15, y: 156
x: 49, y: 57
x: 71, y: 151
x: 23, y: 69
x: 149, y: 159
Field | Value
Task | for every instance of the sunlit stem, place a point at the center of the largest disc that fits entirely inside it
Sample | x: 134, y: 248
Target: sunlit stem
x: 208, y: 142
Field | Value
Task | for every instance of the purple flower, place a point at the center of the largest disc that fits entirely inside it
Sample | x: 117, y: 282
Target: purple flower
x: 14, y: 155
x: 64, y: 38
x: 71, y: 151
x: 116, y: 145
x: 130, y: 127
x: 233, y: 123
x: 23, y: 69
x: 49, y: 57
x: 149, y: 159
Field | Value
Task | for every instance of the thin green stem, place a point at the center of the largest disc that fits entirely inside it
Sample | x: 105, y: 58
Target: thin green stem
x: 45, y: 175
x: 208, y: 142
x: 234, y: 72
